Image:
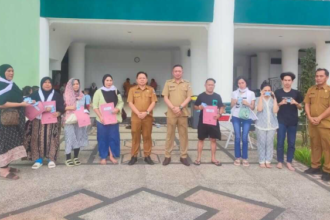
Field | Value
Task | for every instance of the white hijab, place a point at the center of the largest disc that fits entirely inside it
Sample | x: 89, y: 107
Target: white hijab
x: 112, y: 88
x: 8, y: 88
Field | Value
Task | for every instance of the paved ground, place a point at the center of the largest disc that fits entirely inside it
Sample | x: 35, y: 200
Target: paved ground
x: 93, y: 191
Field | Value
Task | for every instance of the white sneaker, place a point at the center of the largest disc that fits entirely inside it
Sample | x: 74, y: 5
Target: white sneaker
x: 36, y: 165
x: 51, y: 165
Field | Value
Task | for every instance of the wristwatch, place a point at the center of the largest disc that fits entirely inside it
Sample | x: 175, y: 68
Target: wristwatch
x: 148, y: 112
x: 180, y: 107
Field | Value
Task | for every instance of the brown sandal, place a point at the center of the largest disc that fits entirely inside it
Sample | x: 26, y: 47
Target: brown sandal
x: 14, y: 170
x: 11, y: 176
x: 197, y: 162
x: 217, y: 163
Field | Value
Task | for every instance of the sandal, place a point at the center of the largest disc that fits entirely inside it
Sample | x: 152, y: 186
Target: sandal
x: 197, y: 162
x: 69, y: 163
x: 76, y: 162
x: 217, y: 163
x: 11, y: 176
x: 14, y: 170
x: 246, y: 163
x: 51, y: 164
x: 237, y: 162
x: 103, y: 162
x: 262, y: 165
x: 36, y: 165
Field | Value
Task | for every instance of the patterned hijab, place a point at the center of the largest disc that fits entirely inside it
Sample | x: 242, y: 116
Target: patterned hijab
x: 9, y: 91
x: 71, y: 96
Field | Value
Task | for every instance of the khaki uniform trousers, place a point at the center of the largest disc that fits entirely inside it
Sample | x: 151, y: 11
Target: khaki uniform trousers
x: 182, y: 124
x: 143, y: 127
x: 320, y: 144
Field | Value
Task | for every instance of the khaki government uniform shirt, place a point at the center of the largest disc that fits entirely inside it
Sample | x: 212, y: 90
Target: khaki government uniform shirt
x: 177, y: 93
x: 319, y: 100
x: 142, y: 99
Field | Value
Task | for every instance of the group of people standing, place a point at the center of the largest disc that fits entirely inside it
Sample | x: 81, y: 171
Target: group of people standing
x: 278, y: 112
x: 275, y: 111
x: 33, y: 139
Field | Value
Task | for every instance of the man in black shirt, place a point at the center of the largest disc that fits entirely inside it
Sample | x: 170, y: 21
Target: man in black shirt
x: 208, y: 98
x: 289, y: 101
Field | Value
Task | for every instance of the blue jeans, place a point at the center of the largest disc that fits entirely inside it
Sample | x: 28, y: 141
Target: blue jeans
x: 239, y: 125
x: 108, y: 138
x: 281, y: 133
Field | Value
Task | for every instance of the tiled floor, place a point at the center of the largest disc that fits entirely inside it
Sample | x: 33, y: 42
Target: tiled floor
x: 93, y: 191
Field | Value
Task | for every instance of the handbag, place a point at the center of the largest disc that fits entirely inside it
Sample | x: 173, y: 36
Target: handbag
x: 244, y: 113
x: 9, y: 117
x: 123, y: 113
x: 72, y: 119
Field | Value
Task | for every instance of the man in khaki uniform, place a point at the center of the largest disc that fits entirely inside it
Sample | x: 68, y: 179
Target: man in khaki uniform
x: 177, y: 94
x: 317, y: 107
x: 142, y: 100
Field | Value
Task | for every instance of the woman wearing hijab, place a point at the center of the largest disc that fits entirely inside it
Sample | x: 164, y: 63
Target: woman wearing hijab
x: 75, y: 137
x: 11, y: 136
x: 43, y: 140
x: 108, y: 135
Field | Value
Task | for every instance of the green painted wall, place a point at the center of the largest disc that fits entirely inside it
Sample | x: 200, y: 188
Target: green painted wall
x: 19, y: 39
x: 286, y: 12
x: 149, y: 10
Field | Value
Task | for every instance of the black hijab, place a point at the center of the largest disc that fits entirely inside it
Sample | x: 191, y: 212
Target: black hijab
x: 57, y: 97
x: 109, y: 96
x: 15, y: 94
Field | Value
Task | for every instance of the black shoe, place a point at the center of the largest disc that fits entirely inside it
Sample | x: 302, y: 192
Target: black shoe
x: 184, y: 161
x: 132, y: 161
x: 326, y: 176
x: 167, y: 161
x: 148, y: 160
x: 313, y: 171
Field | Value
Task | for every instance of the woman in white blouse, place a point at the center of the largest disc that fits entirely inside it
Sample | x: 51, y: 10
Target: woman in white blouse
x: 266, y: 124
x: 242, y: 100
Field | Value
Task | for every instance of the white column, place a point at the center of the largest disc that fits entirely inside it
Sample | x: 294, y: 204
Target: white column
x: 263, y: 67
x: 290, y: 58
x: 43, y: 48
x: 198, y: 66
x: 221, y: 47
x: 186, y: 62
x: 323, y: 56
x: 77, y: 62
x: 254, y: 73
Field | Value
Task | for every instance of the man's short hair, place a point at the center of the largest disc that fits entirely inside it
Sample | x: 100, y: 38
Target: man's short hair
x: 177, y: 65
x: 323, y: 69
x: 211, y: 79
x: 288, y: 74
x: 141, y: 72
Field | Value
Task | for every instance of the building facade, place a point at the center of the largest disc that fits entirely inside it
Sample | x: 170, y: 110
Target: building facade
x: 221, y: 39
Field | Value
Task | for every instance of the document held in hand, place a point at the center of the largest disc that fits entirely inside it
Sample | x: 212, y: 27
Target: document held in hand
x: 108, y: 116
x: 48, y: 117
x: 32, y: 111
x: 82, y: 117
x: 208, y: 115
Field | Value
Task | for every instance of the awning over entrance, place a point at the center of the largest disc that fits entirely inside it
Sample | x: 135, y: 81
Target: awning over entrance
x: 147, y: 10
